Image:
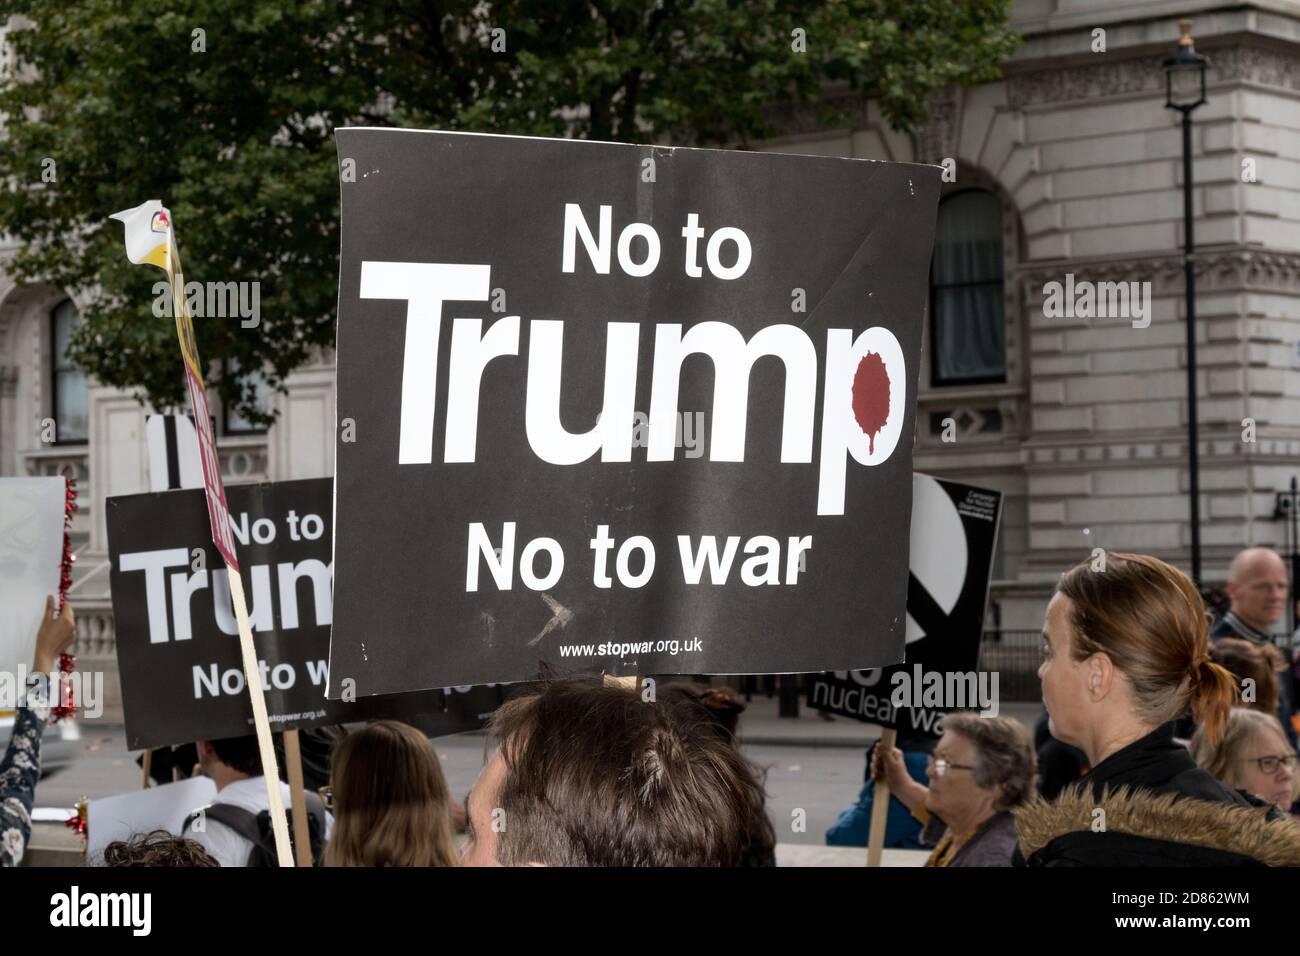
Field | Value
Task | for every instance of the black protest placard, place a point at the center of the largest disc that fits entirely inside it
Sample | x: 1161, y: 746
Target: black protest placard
x: 954, y: 533
x: 529, y: 329
x: 177, y: 641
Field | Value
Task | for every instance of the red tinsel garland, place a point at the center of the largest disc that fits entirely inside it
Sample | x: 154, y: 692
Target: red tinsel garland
x: 78, y: 823
x: 67, y: 663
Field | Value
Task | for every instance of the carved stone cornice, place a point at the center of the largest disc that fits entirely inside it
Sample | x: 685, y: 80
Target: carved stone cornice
x: 58, y: 463
x: 1229, y: 270
x: 1267, y: 66
x: 1220, y: 447
x: 1106, y: 77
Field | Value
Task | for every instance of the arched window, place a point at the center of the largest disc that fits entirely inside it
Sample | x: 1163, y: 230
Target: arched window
x: 967, y: 320
x: 69, y: 399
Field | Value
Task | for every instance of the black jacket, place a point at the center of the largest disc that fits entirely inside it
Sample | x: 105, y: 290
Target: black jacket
x: 1059, y: 764
x: 1150, y: 805
x: 1159, y: 763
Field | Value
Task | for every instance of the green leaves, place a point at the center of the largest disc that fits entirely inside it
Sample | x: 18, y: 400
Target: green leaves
x: 237, y: 140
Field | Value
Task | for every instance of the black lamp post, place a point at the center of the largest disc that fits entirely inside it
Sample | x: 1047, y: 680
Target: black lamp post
x: 1184, y: 91
x: 1288, y: 507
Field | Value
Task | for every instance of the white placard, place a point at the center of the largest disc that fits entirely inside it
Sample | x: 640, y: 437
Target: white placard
x: 31, y: 555
x: 157, y: 808
x: 52, y: 814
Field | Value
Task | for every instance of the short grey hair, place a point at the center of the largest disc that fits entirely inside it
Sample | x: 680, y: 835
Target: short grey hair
x: 1004, y: 754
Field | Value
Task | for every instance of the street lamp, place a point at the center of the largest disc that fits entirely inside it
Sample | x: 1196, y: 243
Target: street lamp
x: 1184, y: 91
x: 1288, y: 507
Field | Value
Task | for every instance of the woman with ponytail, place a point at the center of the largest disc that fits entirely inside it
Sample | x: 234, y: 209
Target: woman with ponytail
x: 1126, y: 653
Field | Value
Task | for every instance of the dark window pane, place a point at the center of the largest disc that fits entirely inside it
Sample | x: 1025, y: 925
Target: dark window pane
x: 71, y: 402
x: 967, y: 318
x: 236, y: 424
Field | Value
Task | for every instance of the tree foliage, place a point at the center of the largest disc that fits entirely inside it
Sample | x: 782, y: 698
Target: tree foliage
x: 225, y: 111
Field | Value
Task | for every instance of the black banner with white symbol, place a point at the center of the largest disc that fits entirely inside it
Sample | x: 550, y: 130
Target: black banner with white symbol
x: 177, y: 641
x: 530, y: 329
x: 953, y: 537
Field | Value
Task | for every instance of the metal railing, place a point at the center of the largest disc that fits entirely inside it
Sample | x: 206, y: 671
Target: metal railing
x: 1015, y: 655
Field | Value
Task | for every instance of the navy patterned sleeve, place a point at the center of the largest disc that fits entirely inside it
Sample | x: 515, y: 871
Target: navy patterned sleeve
x: 20, y: 770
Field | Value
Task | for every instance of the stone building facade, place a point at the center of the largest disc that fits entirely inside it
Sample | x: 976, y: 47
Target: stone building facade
x: 1069, y: 164
x: 1084, y: 428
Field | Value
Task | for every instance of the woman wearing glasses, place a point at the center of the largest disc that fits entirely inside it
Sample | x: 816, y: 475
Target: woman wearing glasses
x: 981, y: 769
x: 1253, y: 755
x: 1126, y: 653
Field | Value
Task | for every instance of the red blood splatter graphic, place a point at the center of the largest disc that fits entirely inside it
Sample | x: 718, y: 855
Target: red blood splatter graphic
x: 871, y: 397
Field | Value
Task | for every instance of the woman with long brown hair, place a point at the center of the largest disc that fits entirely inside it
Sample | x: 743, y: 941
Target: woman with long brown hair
x: 1126, y: 652
x: 391, y: 802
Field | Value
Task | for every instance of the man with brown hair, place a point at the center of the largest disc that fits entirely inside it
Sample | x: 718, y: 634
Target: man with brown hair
x: 236, y: 829
x: 592, y: 775
x: 157, y: 848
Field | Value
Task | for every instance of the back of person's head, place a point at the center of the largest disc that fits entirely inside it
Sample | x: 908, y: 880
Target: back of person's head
x: 597, y: 776
x: 157, y: 848
x: 240, y: 754
x: 1004, y: 755
x: 1149, y: 619
x: 391, y: 803
x: 1250, y: 662
x: 724, y: 710
x: 718, y: 702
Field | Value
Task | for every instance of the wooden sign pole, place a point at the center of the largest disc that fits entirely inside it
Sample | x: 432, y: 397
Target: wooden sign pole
x: 253, y: 677
x: 248, y: 653
x: 880, y: 805
x: 301, y: 831
x: 151, y: 240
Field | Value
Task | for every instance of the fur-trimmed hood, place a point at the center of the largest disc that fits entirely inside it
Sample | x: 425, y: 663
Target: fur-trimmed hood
x: 1141, y: 826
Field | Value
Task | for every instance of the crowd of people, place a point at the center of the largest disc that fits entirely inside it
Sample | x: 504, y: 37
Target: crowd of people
x: 1166, y: 739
